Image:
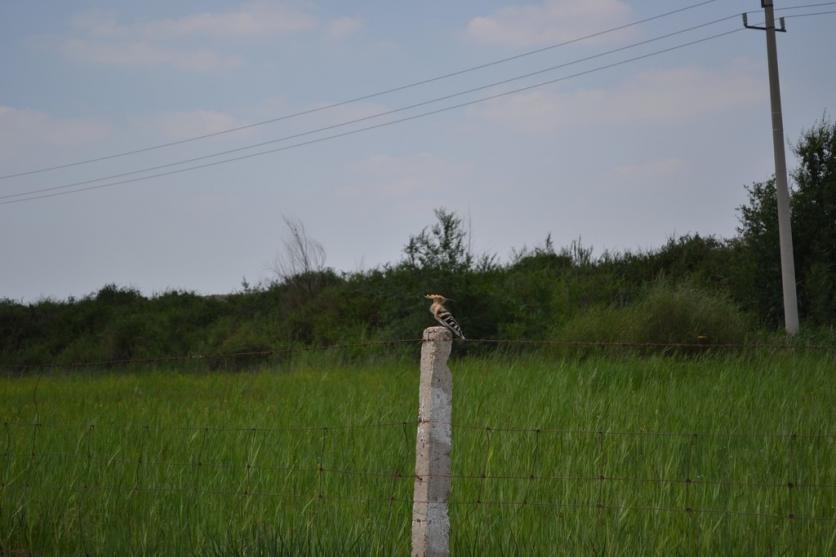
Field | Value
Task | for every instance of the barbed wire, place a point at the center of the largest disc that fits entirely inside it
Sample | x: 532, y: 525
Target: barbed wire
x: 789, y: 436
x: 201, y: 357
x: 602, y: 432
x: 611, y: 507
x: 242, y: 492
x: 198, y: 428
x: 399, y: 475
x: 706, y: 345
x: 246, y: 492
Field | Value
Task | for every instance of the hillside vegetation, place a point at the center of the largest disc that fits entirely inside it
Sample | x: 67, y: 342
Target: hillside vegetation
x: 724, y: 290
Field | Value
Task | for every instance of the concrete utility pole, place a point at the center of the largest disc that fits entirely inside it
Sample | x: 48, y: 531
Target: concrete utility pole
x: 782, y: 191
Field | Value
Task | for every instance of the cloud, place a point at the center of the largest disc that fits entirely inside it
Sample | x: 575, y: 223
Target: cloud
x: 138, y: 54
x: 344, y: 27
x: 549, y: 22
x: 176, y: 125
x: 655, y: 97
x: 195, y: 42
x: 274, y: 107
x: 179, y: 125
x: 22, y: 129
x: 402, y: 176
x: 33, y: 139
x: 249, y: 20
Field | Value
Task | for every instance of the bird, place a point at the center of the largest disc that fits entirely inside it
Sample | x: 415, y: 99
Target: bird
x: 443, y: 316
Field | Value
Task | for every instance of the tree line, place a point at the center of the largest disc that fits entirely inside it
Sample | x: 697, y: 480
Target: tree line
x: 717, y: 290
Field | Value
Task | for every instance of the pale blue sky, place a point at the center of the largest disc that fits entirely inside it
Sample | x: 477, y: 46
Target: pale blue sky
x: 622, y: 158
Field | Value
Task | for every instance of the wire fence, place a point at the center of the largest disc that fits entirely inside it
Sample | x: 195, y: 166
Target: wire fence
x: 103, y: 477
x: 26, y: 461
x: 95, y: 466
x: 400, y: 475
x: 698, y: 345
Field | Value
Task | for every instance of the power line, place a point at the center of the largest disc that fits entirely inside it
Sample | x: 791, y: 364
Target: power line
x: 359, y: 130
x: 798, y: 7
x: 362, y: 97
x: 795, y: 16
x: 380, y: 114
x: 375, y: 126
x: 364, y: 118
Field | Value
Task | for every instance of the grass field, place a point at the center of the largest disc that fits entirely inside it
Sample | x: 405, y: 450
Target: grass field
x: 317, y: 459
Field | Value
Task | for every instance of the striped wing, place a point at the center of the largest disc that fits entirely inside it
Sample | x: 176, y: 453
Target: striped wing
x: 446, y: 318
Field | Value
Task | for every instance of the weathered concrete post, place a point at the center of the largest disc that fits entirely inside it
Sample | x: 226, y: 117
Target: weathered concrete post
x: 430, y: 518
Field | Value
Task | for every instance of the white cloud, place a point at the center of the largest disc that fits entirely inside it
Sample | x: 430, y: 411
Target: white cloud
x: 403, y: 176
x: 192, y: 42
x: 344, y: 27
x: 279, y: 106
x: 345, y: 113
x: 34, y: 139
x: 179, y: 125
x: 549, y: 22
x: 23, y: 129
x: 654, y: 97
x: 138, y: 53
x: 249, y: 20
x: 182, y: 124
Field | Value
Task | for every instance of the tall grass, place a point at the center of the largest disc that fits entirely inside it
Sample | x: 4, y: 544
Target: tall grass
x: 157, y: 462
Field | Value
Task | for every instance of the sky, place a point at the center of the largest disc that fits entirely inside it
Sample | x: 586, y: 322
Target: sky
x: 622, y: 157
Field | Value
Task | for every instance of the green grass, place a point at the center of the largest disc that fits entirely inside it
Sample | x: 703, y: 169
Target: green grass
x: 164, y: 463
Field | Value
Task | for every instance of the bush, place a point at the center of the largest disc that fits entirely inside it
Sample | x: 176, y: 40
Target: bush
x: 686, y: 314
x: 665, y: 315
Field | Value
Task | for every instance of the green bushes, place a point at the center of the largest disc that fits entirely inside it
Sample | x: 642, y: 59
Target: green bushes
x: 689, y: 288
x: 531, y: 299
x: 685, y: 314
x: 692, y: 287
x: 666, y: 314
x: 541, y: 294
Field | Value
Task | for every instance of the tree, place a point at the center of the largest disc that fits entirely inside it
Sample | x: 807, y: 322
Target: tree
x: 814, y: 216
x: 302, y: 263
x: 813, y: 204
x: 442, y: 247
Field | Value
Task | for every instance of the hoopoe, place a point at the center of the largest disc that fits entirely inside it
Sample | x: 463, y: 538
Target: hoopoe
x: 443, y: 316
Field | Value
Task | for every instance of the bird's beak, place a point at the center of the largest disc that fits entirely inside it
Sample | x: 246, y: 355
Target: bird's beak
x: 449, y: 300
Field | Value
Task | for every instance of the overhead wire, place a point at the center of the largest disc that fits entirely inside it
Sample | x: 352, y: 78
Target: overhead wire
x: 795, y: 16
x: 369, y: 116
x: 800, y: 6
x: 397, y: 88
x: 53, y: 193
x: 28, y: 195
x: 362, y: 97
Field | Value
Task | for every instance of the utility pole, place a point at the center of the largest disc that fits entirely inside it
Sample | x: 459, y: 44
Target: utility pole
x: 782, y: 191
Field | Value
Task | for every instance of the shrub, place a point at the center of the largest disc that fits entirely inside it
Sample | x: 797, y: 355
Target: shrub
x: 665, y: 315
x: 685, y: 313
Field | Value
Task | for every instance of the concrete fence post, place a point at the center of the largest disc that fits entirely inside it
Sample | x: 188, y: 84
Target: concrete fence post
x: 430, y: 517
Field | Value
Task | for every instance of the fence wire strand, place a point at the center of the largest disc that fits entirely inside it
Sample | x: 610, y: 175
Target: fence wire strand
x: 246, y: 492
x: 400, y: 475
x: 706, y: 346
